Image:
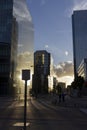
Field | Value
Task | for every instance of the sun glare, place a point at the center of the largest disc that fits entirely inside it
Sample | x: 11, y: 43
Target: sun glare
x: 20, y: 77
x: 67, y: 79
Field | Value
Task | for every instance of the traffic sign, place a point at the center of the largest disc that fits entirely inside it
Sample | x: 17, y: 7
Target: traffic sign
x: 25, y: 74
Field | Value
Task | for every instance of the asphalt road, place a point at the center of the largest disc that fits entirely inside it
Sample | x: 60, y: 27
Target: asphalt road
x: 40, y: 116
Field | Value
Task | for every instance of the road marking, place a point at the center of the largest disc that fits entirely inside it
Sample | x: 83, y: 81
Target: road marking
x: 38, y: 105
x: 21, y: 124
x: 17, y: 104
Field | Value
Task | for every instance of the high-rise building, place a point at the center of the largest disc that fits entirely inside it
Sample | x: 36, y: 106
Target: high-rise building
x: 82, y: 69
x: 41, y: 70
x: 8, y: 46
x: 79, y: 28
x: 16, y: 30
x: 42, y: 62
x: 25, y: 40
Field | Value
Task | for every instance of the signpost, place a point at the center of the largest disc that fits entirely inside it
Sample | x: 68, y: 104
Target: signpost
x: 25, y: 76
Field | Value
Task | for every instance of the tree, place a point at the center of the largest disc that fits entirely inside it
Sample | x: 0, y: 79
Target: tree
x: 78, y: 84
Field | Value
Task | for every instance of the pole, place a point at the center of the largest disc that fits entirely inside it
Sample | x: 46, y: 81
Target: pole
x: 25, y: 103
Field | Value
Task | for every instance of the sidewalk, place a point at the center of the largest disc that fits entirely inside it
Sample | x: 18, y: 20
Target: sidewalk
x: 73, y: 102
x: 70, y: 102
x: 6, y: 99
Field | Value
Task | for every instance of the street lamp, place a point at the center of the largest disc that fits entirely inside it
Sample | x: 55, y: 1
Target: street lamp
x: 25, y: 76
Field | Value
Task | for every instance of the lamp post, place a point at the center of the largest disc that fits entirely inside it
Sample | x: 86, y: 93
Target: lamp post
x: 25, y: 76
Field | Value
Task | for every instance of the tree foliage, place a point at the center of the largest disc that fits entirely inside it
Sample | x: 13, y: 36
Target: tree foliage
x: 78, y: 83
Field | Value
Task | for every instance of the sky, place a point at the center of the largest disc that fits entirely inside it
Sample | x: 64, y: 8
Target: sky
x: 52, y: 21
x: 53, y: 31
x: 53, y: 26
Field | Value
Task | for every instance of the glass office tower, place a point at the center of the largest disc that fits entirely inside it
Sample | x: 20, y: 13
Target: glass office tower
x: 16, y: 30
x: 6, y: 18
x: 25, y: 39
x: 79, y: 28
x: 25, y: 24
x: 8, y: 47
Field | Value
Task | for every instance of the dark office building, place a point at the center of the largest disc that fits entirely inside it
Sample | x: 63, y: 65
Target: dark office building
x: 8, y: 47
x: 41, y: 71
x: 79, y: 28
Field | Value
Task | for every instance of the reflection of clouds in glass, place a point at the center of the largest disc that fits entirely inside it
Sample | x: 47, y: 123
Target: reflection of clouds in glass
x: 20, y: 10
x: 25, y: 26
x: 20, y: 45
x: 26, y: 35
x: 24, y: 60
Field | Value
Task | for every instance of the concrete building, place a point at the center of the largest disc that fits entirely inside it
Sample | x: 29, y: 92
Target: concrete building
x: 79, y: 28
x: 8, y: 47
x: 50, y: 83
x: 62, y: 84
x: 41, y: 71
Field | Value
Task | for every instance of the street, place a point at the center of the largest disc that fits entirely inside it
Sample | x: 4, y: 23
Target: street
x: 40, y: 116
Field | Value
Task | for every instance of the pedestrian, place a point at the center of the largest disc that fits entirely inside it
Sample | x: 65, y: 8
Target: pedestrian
x: 59, y: 92
x: 59, y: 97
x: 63, y: 97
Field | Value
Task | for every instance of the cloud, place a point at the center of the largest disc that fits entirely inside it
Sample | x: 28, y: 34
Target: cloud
x: 80, y: 5
x: 64, y: 69
x: 67, y: 79
x: 77, y: 5
x: 64, y: 72
x: 43, y: 2
x: 46, y: 46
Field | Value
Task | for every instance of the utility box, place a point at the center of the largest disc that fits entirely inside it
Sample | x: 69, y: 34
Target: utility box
x: 26, y: 74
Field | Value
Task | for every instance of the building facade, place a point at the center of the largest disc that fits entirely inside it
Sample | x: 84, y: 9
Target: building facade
x: 82, y: 69
x: 41, y: 71
x: 79, y: 28
x: 8, y: 47
x: 25, y: 40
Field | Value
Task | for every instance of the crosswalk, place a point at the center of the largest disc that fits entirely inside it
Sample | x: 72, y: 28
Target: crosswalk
x: 38, y: 105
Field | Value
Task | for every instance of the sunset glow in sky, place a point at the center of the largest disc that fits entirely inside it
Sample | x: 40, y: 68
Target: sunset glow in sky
x: 53, y: 31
